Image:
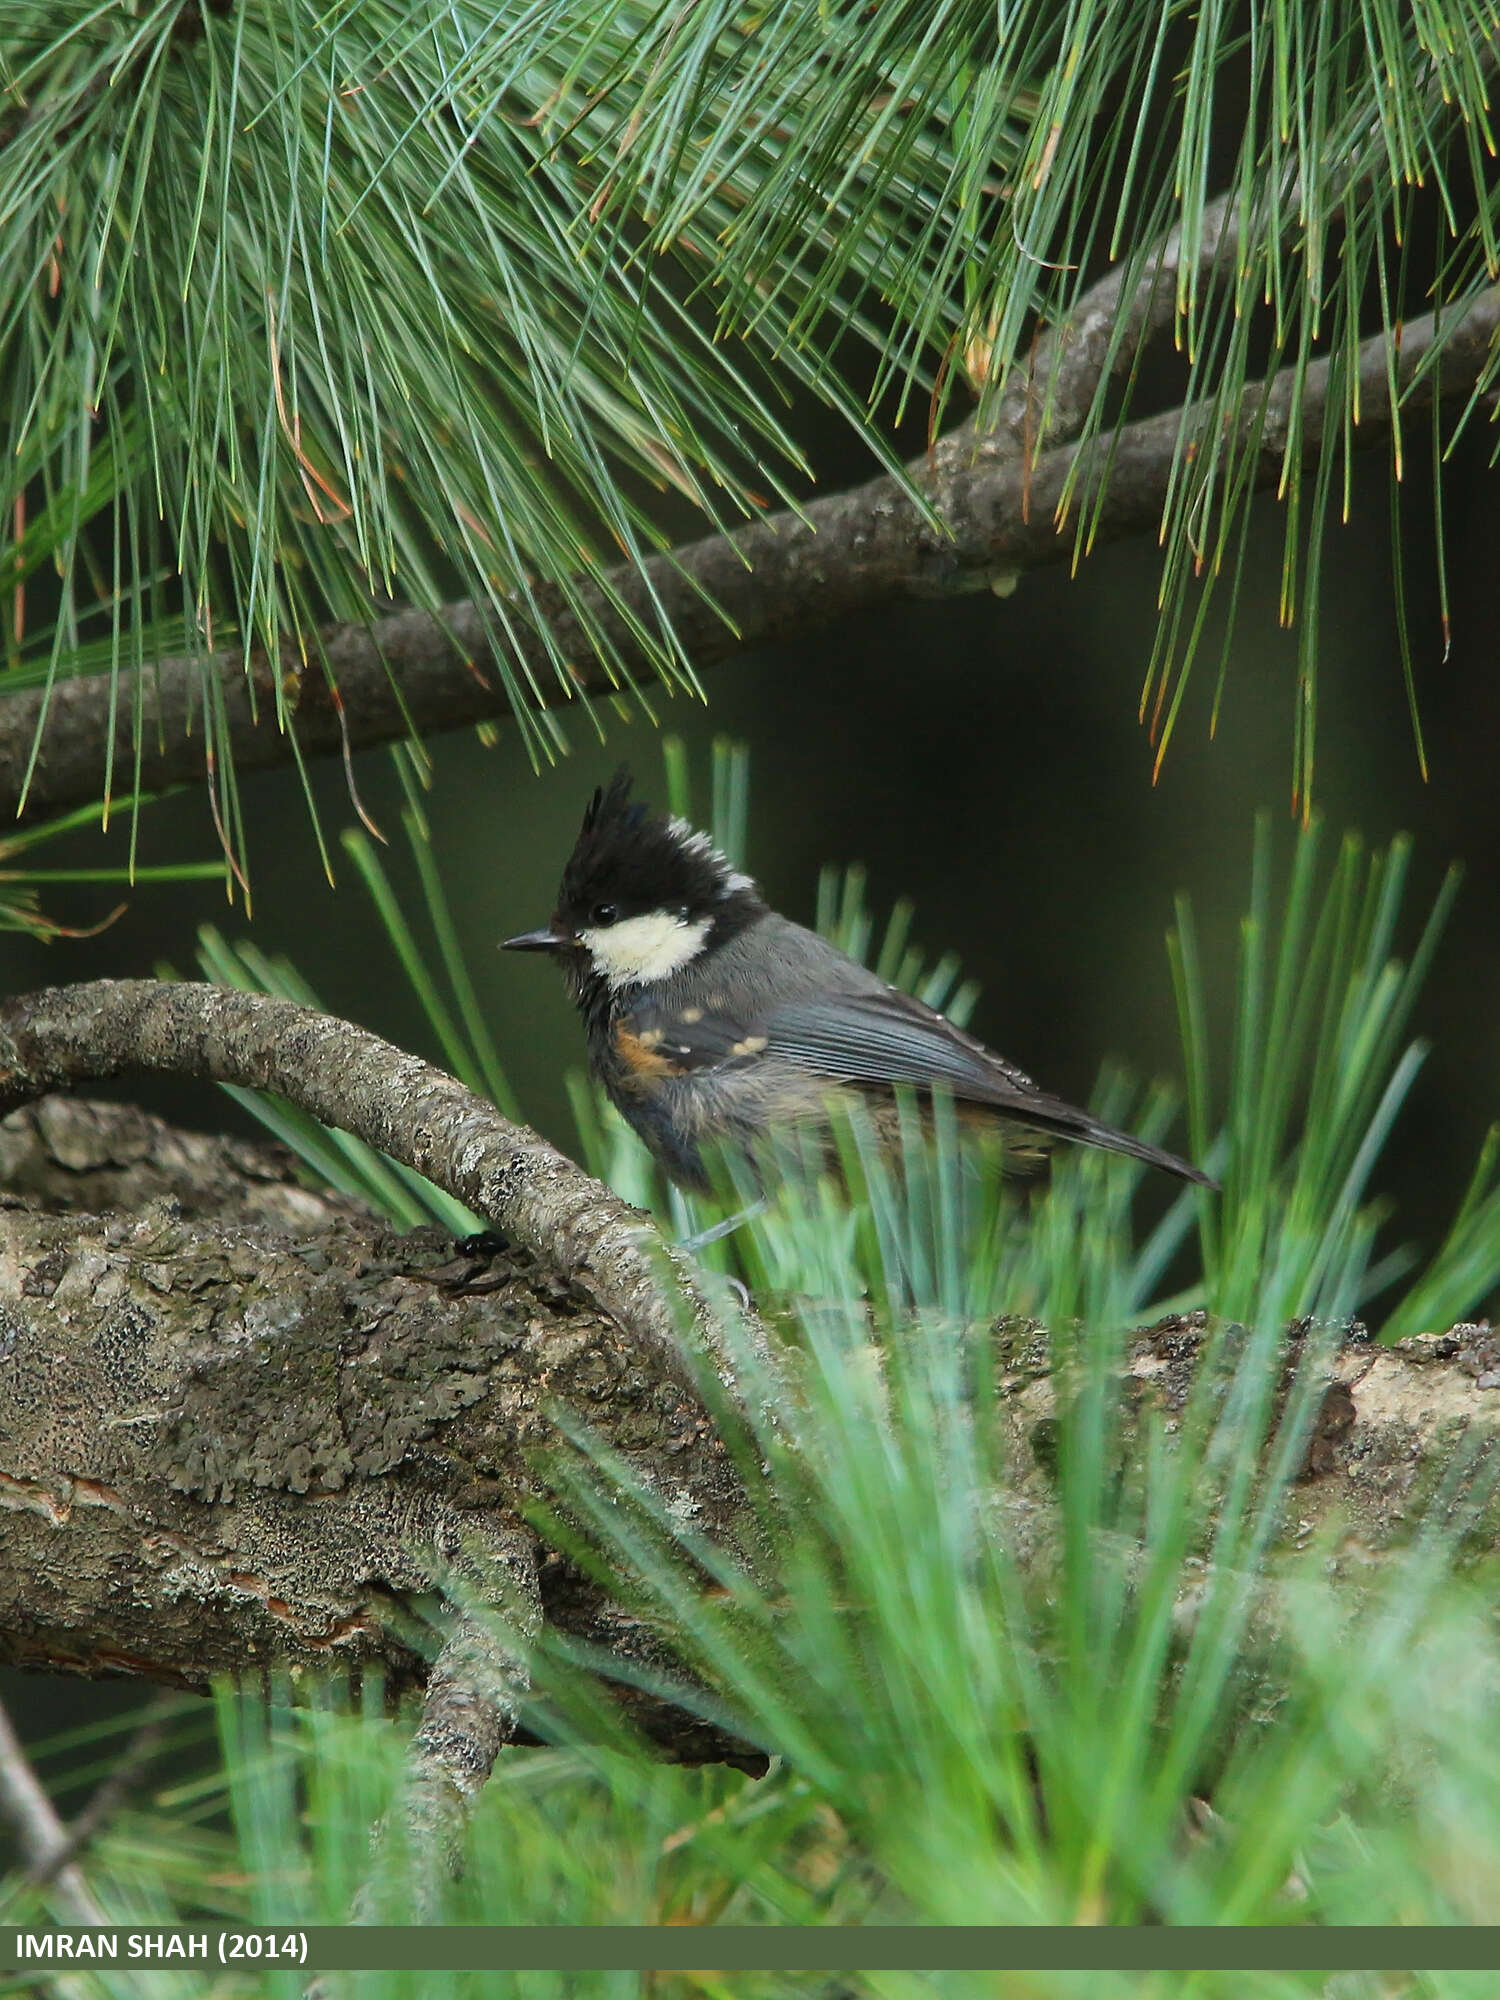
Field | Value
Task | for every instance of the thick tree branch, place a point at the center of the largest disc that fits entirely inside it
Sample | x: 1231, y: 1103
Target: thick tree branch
x: 352, y: 1079
x: 222, y: 1445
x: 782, y: 576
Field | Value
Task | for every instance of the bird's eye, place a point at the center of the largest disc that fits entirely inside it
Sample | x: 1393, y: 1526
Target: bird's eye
x: 603, y: 913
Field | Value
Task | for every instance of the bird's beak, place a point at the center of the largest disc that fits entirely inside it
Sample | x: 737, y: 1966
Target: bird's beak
x: 549, y: 939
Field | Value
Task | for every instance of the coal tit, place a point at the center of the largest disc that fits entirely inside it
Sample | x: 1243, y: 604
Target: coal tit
x: 713, y: 1021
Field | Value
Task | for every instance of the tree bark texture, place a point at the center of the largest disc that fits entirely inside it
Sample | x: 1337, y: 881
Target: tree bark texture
x: 242, y: 1425
x: 396, y: 1102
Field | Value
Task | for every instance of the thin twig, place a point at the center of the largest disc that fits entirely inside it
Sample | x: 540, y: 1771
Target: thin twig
x: 107, y: 1798
x: 40, y: 1834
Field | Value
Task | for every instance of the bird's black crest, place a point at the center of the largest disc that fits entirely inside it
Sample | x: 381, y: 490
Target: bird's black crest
x: 613, y: 805
x: 634, y: 859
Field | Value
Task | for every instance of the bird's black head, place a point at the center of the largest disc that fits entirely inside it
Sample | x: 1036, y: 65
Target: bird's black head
x: 642, y: 896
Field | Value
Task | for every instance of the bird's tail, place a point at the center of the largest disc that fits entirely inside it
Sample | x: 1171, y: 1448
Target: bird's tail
x: 1066, y: 1121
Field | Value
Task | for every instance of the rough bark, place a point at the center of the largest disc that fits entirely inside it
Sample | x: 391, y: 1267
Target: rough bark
x: 993, y: 512
x: 224, y: 1445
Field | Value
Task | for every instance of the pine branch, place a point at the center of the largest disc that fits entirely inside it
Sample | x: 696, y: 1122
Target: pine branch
x: 992, y: 517
x: 1046, y: 404
x: 470, y: 1712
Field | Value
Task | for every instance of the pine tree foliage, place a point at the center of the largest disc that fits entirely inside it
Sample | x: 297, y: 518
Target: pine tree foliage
x: 314, y: 308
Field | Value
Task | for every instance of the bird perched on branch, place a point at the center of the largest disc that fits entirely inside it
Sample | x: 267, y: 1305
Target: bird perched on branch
x: 714, y: 1021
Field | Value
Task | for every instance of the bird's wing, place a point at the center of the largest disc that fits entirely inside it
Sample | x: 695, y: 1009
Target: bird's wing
x: 889, y: 1037
x: 875, y: 1039
x: 693, y: 1038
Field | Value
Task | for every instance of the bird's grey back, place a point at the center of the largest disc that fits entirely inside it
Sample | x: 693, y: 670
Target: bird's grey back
x: 772, y: 962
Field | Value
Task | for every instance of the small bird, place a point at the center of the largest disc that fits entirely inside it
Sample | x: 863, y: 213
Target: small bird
x: 714, y: 1021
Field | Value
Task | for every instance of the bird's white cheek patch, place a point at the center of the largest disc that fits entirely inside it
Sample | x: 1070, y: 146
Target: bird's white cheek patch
x: 638, y: 950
